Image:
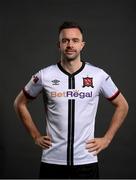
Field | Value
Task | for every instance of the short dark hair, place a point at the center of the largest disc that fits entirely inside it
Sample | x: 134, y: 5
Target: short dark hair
x: 70, y: 24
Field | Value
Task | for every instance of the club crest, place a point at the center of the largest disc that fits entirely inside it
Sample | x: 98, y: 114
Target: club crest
x: 35, y: 79
x: 88, y: 82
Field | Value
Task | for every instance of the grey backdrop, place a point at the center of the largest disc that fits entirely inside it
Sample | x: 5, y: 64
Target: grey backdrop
x: 28, y: 38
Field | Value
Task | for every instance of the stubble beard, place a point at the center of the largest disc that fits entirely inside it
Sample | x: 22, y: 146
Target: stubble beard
x: 70, y: 58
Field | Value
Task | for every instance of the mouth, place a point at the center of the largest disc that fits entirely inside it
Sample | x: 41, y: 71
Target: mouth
x: 70, y: 51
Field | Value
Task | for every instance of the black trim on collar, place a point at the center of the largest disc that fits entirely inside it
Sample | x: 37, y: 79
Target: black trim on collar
x: 73, y: 74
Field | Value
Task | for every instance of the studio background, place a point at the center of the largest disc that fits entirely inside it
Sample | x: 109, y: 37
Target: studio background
x: 28, y: 42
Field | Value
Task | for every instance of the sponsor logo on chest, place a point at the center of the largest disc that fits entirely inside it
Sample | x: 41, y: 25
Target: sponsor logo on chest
x: 86, y: 83
x: 72, y: 94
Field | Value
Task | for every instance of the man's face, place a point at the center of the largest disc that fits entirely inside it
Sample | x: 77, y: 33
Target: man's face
x: 70, y: 43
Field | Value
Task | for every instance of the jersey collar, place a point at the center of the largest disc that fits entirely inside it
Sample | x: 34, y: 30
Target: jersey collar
x: 73, y: 74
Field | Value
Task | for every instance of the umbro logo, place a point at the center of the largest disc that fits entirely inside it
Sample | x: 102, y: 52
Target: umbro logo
x: 55, y: 82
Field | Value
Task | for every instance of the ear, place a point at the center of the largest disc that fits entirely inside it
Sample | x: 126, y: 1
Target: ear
x: 83, y: 44
x: 58, y: 44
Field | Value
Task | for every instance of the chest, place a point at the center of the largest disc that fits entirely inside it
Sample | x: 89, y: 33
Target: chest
x: 63, y: 87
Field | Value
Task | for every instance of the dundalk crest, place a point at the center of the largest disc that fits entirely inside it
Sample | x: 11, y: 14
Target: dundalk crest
x: 87, y: 82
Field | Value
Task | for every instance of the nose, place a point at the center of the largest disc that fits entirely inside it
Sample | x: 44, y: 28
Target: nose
x: 70, y: 44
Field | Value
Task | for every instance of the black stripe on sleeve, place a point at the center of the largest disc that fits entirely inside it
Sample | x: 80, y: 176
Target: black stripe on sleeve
x: 114, y: 96
x: 27, y: 95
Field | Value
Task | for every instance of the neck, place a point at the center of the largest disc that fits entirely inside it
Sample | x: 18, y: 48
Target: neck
x: 71, y: 66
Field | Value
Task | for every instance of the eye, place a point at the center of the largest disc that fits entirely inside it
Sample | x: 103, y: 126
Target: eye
x: 64, y: 40
x: 76, y: 40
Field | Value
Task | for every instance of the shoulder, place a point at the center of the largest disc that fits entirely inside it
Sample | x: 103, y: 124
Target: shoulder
x: 45, y: 72
x: 94, y: 68
x: 96, y: 72
x: 49, y: 68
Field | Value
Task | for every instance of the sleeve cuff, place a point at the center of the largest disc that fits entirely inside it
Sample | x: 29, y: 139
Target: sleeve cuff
x: 114, y: 96
x: 27, y: 94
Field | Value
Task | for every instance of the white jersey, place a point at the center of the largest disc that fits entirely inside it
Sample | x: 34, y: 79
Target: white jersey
x: 71, y: 102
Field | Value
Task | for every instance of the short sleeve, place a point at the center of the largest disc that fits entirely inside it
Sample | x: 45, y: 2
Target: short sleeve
x: 108, y: 87
x: 34, y: 86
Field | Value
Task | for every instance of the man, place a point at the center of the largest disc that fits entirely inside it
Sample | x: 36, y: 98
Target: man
x: 71, y: 91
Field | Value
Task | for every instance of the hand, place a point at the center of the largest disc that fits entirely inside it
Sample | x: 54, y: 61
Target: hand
x: 43, y: 141
x: 97, y: 144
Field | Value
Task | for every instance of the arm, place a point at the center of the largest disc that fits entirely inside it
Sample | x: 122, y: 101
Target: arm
x: 20, y: 105
x: 121, y: 110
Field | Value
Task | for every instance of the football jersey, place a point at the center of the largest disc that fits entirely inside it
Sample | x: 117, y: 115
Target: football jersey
x: 71, y: 102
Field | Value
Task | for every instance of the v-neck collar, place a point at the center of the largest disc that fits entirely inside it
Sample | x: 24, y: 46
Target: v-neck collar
x: 69, y: 74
